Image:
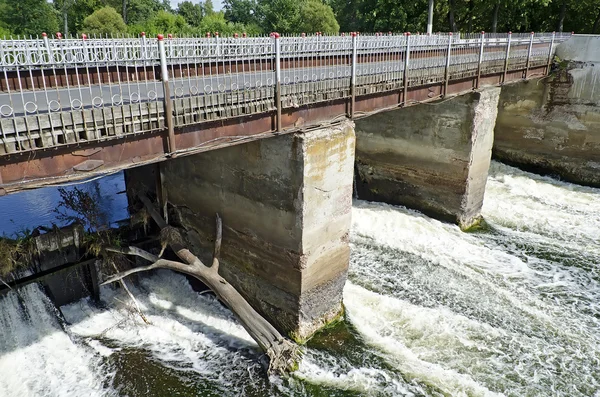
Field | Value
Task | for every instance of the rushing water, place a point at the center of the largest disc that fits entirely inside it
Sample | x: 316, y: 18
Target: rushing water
x: 430, y: 311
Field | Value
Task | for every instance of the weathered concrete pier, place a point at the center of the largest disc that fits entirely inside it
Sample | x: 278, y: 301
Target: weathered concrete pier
x: 286, y: 204
x: 433, y: 157
x: 552, y: 125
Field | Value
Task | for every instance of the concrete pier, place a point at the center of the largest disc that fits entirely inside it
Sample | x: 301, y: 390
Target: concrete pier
x: 286, y: 205
x: 431, y: 157
x: 552, y: 125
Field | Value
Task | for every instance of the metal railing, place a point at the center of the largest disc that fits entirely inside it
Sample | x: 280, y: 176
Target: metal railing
x: 67, y: 91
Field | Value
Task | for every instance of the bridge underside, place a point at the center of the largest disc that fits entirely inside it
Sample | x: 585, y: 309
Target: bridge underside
x: 81, y: 159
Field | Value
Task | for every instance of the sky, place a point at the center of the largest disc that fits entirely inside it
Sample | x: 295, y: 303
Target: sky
x: 217, y: 4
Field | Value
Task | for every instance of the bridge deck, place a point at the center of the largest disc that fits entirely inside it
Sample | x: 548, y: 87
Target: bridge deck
x: 62, y: 120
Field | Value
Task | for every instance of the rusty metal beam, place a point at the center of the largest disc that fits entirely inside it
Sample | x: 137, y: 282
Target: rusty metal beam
x: 62, y: 164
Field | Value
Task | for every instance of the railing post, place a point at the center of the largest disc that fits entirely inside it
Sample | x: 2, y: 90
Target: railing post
x: 477, y: 84
x: 218, y: 41
x: 447, y: 70
x: 353, y: 74
x: 278, y: 80
x: 85, y: 49
x: 529, y: 56
x: 47, y: 45
x: 164, y: 75
x: 406, y: 65
x: 507, y: 57
x: 550, y: 53
x: 143, y: 40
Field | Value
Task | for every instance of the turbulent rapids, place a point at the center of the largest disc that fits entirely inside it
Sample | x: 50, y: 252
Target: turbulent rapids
x: 511, y: 310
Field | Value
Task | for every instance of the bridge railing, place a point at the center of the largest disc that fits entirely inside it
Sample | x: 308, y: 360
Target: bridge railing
x: 57, y: 91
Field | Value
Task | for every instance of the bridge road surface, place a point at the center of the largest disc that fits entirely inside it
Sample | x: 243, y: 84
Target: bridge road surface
x: 79, y: 97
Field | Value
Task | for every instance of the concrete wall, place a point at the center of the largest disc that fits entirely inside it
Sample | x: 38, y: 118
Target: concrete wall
x: 431, y: 157
x: 51, y: 251
x: 286, y: 204
x: 552, y: 125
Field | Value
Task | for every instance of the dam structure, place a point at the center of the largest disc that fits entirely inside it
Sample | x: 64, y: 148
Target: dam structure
x: 276, y: 134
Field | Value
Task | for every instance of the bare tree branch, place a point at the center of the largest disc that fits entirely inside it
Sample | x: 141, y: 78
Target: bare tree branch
x: 217, y: 250
x: 161, y: 263
x: 134, y: 251
x: 135, y: 302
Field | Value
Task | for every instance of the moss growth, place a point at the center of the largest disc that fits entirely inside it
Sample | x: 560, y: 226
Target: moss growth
x: 332, y: 323
x: 478, y: 226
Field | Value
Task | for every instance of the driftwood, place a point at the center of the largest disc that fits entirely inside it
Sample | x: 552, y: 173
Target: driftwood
x: 282, y: 353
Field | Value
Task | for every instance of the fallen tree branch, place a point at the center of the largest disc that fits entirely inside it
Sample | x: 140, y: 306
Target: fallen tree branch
x: 282, y: 353
x: 135, y: 302
x: 134, y: 251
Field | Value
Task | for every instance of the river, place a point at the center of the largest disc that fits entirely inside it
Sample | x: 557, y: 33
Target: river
x: 511, y: 310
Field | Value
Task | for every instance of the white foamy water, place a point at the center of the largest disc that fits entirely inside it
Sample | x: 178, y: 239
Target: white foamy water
x: 188, y: 332
x: 37, y: 358
x: 513, y: 311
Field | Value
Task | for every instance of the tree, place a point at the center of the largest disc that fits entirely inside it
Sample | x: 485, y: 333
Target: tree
x: 315, y: 16
x: 140, y: 11
x: 381, y: 15
x: 164, y: 22
x: 192, y: 13
x: 241, y: 11
x: 279, y: 15
x: 209, y: 9
x: 105, y: 21
x: 29, y: 17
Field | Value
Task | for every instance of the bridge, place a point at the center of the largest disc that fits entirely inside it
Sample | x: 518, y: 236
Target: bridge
x: 71, y: 108
x: 272, y: 133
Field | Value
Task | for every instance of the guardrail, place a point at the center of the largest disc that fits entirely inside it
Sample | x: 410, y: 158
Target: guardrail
x: 58, y: 91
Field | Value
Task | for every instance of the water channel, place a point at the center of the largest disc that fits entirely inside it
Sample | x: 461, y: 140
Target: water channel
x: 430, y: 311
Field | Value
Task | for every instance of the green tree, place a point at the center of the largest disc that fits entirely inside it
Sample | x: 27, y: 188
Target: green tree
x: 164, y: 22
x: 216, y: 22
x: 315, y: 16
x: 29, y: 17
x: 192, y: 13
x: 140, y: 11
x: 241, y: 11
x: 105, y: 21
x: 209, y: 9
x: 279, y: 15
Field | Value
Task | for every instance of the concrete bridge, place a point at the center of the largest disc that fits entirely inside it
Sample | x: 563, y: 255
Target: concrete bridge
x: 79, y: 108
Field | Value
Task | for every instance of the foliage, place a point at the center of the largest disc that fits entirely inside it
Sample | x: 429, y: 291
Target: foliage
x: 140, y: 11
x: 192, y: 13
x: 14, y: 253
x: 278, y: 15
x: 104, y: 21
x: 28, y: 17
x: 241, y: 11
x: 283, y: 16
x: 32, y: 17
x: 165, y: 22
x: 216, y: 22
x: 315, y: 16
x: 468, y: 15
x: 208, y: 7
